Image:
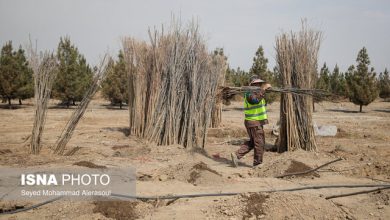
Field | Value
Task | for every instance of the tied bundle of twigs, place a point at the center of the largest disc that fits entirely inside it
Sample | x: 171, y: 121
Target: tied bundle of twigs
x: 67, y: 132
x: 296, y: 56
x: 172, y: 86
x: 44, y: 68
x: 219, y: 67
x: 228, y: 92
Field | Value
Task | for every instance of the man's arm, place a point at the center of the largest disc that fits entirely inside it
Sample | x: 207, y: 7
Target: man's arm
x: 254, y: 97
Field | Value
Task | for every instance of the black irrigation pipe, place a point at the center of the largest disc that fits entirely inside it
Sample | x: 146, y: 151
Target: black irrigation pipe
x: 210, y: 194
x: 307, y: 171
x: 237, y: 193
x: 357, y: 193
x: 32, y: 207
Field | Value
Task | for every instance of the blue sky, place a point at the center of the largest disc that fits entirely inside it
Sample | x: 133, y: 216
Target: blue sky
x: 96, y: 26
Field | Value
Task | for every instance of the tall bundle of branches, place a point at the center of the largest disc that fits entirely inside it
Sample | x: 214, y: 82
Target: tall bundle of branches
x: 172, y: 86
x: 44, y: 68
x: 219, y: 64
x: 68, y: 130
x: 297, y: 62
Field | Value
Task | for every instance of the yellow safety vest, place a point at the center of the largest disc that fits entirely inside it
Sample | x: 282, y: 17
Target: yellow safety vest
x: 256, y: 112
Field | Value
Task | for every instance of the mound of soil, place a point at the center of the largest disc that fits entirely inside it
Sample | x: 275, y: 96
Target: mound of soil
x: 89, y: 165
x: 284, y: 166
x: 194, y: 173
x: 282, y: 205
x: 254, y: 205
x: 130, y: 151
x: 121, y: 209
x: 202, y: 174
x: 296, y: 166
x: 279, y: 205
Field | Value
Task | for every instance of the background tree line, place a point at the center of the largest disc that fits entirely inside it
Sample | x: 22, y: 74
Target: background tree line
x: 359, y: 83
x: 73, y: 79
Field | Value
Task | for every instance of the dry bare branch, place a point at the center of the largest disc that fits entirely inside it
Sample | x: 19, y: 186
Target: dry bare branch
x: 44, y: 67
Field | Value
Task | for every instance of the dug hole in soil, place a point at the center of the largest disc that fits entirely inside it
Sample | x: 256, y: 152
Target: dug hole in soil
x: 194, y: 173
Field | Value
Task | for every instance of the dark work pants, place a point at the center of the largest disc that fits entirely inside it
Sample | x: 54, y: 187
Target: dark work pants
x: 256, y: 142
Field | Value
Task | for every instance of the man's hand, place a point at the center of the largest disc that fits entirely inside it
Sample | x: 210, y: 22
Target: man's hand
x: 266, y: 86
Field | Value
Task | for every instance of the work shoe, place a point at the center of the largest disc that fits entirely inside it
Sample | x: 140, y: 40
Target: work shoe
x: 257, y: 166
x: 234, y: 159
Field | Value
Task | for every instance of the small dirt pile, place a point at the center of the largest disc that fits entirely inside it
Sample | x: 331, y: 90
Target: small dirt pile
x: 200, y: 174
x: 89, y: 165
x: 130, y: 151
x: 279, y: 167
x: 254, y: 205
x: 122, y: 210
x: 195, y: 173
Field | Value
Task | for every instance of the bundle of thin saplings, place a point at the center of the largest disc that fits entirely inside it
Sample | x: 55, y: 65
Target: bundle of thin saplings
x: 44, y: 67
x: 296, y: 57
x: 173, y: 82
x: 221, y: 66
x: 67, y: 132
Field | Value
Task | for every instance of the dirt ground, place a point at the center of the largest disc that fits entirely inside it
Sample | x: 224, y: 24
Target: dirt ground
x: 363, y: 142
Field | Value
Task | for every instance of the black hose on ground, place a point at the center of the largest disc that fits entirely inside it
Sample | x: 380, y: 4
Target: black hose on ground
x: 209, y: 194
x: 357, y: 193
x: 237, y: 193
x: 32, y: 207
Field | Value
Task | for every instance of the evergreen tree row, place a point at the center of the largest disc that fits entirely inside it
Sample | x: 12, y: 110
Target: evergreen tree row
x: 16, y: 77
x: 359, y: 83
x: 115, y: 86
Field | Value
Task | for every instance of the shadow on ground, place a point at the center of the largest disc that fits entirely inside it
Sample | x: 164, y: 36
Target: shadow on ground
x: 383, y: 110
x: 343, y: 110
x: 124, y: 130
x: 219, y: 159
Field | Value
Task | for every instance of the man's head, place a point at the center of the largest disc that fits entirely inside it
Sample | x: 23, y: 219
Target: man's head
x: 256, y: 81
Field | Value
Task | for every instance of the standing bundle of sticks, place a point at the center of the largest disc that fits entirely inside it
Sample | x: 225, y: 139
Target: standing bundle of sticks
x: 296, y: 56
x: 44, y: 68
x: 219, y: 66
x: 67, y: 132
x: 172, y: 85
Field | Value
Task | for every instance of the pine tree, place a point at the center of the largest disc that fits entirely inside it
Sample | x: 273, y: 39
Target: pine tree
x: 337, y: 82
x: 323, y: 81
x: 384, y: 84
x: 361, y: 82
x: 260, y: 69
x: 115, y: 85
x: 8, y: 73
x: 74, y: 76
x: 237, y: 77
x: 25, y: 77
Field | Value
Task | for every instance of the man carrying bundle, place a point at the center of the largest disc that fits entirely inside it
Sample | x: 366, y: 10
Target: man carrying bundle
x: 255, y: 118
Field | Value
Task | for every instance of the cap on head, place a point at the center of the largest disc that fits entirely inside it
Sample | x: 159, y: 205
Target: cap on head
x: 256, y: 79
